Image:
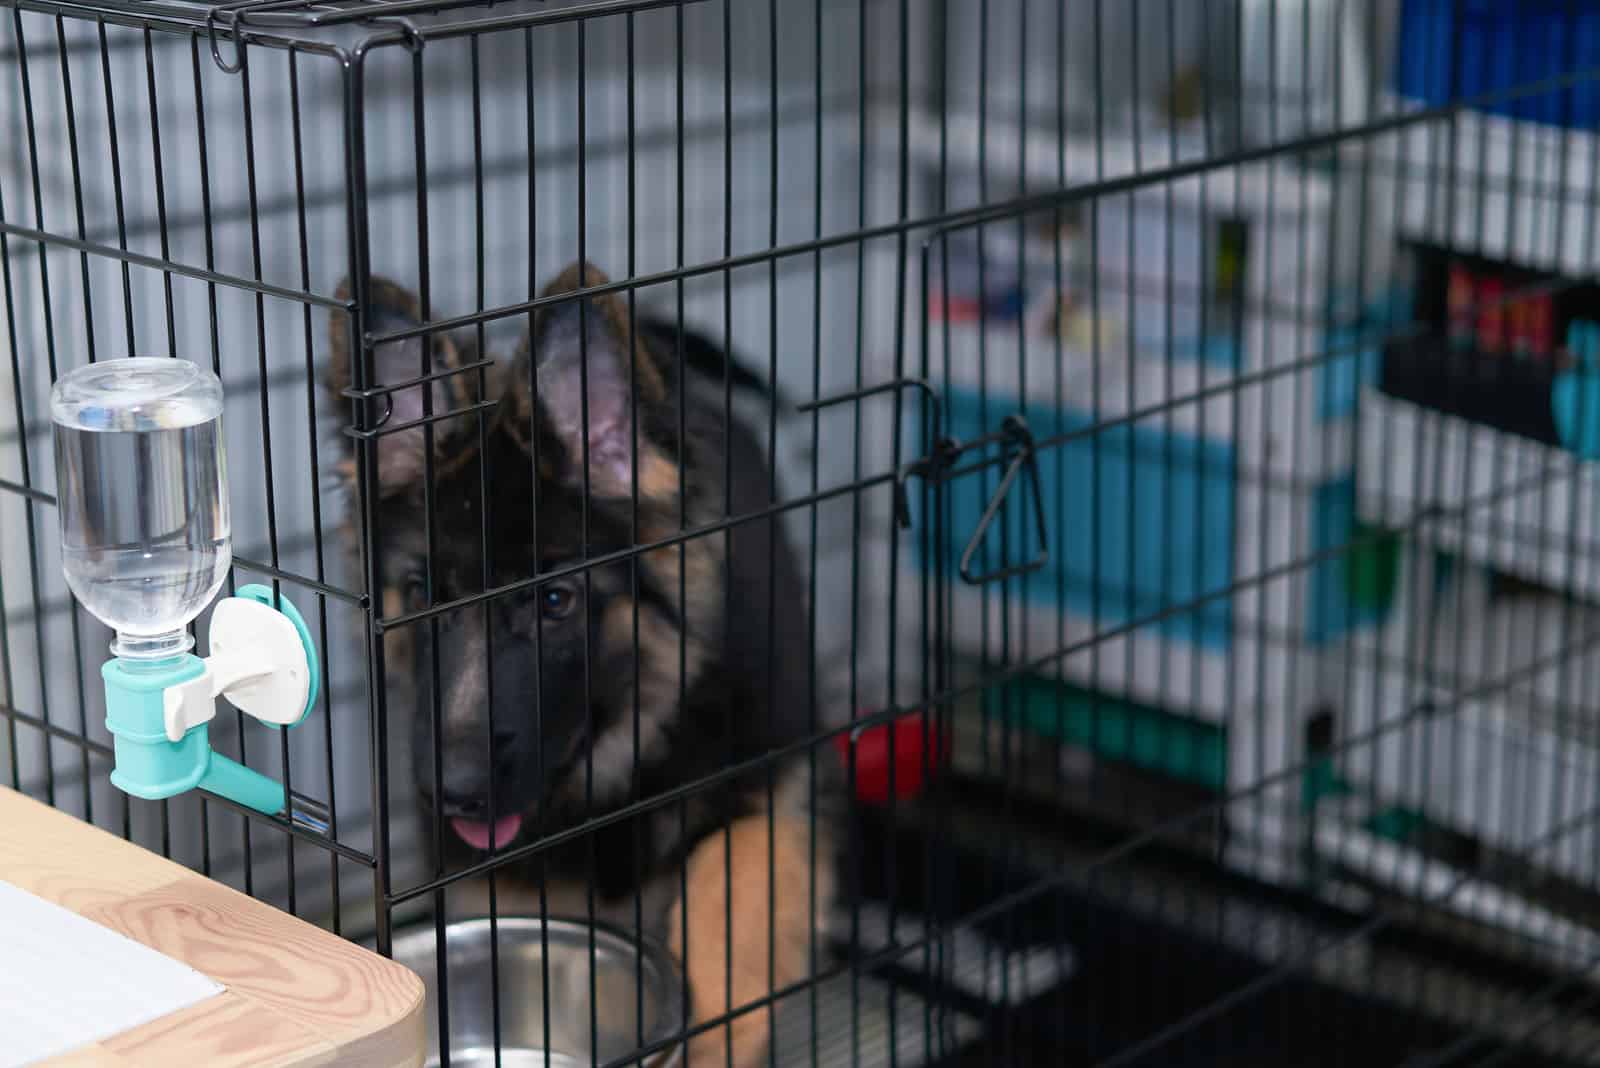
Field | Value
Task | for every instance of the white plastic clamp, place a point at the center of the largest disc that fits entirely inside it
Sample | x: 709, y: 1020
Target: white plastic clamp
x: 257, y: 662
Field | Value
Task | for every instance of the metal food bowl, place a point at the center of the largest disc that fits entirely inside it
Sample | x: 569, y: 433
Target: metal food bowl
x: 525, y: 947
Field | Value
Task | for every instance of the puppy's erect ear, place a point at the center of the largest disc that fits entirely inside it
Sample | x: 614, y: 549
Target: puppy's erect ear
x: 400, y: 455
x: 585, y: 342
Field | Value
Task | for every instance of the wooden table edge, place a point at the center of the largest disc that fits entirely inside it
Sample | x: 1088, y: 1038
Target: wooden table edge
x: 124, y: 887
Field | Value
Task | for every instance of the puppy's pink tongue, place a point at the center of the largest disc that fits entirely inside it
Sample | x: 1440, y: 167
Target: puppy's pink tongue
x: 480, y: 835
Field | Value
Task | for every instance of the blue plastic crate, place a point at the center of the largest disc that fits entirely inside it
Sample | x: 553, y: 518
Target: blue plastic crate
x: 1455, y: 49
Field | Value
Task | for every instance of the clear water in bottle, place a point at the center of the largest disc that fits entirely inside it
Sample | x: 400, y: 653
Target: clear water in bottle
x: 141, y: 484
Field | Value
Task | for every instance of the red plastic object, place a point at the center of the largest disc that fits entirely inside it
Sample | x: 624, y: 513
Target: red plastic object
x: 953, y: 309
x: 913, y: 737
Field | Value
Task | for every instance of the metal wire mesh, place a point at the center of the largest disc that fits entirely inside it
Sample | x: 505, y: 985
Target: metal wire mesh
x: 1176, y: 413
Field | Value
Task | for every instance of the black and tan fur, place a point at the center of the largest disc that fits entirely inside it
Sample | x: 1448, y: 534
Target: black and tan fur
x: 696, y: 659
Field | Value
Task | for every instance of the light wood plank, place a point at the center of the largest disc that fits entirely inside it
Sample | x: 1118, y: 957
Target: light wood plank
x: 227, y: 1031
x: 93, y: 1055
x: 42, y: 851
x: 337, y: 989
x: 297, y: 995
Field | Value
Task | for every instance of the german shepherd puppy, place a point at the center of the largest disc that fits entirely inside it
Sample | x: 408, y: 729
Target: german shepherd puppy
x: 561, y: 702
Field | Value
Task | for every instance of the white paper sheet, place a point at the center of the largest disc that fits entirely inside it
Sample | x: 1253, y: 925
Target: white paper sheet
x: 66, y: 981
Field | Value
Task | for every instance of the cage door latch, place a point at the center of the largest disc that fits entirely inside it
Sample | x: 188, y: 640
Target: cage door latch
x: 1017, y: 450
x: 1019, y: 453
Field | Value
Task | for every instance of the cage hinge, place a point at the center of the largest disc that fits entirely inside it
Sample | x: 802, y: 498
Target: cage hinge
x: 933, y: 467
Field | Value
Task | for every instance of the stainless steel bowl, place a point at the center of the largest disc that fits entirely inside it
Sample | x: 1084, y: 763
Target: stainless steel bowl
x: 525, y: 944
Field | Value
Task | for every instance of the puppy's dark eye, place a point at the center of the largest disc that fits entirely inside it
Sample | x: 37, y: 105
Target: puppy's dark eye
x: 557, y: 601
x: 414, y: 587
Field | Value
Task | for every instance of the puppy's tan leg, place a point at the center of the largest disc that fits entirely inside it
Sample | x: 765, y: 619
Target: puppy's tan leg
x: 770, y: 921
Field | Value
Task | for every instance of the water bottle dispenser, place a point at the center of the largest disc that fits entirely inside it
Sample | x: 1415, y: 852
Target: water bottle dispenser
x: 142, y: 495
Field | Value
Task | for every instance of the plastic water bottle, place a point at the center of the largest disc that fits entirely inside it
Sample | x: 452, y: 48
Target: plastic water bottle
x: 141, y: 493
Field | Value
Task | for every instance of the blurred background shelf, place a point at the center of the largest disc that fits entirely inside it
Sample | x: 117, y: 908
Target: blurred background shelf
x: 1501, y: 499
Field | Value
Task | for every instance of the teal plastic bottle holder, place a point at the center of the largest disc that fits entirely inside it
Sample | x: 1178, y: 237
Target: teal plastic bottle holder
x: 150, y: 765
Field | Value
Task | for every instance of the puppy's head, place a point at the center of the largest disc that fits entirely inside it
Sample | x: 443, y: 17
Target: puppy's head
x: 552, y: 690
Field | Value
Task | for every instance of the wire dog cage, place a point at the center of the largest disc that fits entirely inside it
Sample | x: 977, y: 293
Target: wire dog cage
x: 1176, y: 413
